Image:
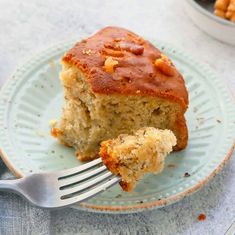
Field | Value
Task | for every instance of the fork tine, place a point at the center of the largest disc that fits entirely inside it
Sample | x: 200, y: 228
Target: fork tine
x: 86, y: 185
x: 91, y: 192
x: 78, y: 178
x: 79, y: 169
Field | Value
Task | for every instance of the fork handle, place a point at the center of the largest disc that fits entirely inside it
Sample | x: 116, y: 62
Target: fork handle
x: 10, y: 185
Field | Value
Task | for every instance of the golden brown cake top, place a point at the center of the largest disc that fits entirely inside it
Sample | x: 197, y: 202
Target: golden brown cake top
x: 117, y: 61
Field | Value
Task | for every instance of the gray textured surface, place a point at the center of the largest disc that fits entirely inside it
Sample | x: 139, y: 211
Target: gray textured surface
x: 26, y: 27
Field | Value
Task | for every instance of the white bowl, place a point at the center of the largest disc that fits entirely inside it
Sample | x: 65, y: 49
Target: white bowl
x: 215, y: 26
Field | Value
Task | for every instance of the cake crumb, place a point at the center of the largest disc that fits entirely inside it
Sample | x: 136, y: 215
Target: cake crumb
x: 201, y: 217
x: 218, y: 121
x: 55, y: 132
x: 171, y: 165
x: 40, y: 133
x: 186, y: 174
x: 52, y: 63
x: 200, y: 121
x: 52, y: 123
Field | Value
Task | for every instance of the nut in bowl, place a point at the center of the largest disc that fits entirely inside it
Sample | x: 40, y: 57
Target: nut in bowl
x: 215, y: 18
x: 225, y: 9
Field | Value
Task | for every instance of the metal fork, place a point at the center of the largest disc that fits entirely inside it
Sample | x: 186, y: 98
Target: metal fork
x: 63, y: 188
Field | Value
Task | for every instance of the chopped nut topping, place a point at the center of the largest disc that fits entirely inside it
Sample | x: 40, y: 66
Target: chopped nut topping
x: 112, y: 45
x: 125, y: 46
x: 87, y: 52
x: 138, y: 91
x: 113, y: 53
x: 118, y: 39
x: 132, y: 47
x: 109, y: 64
x: 164, y: 65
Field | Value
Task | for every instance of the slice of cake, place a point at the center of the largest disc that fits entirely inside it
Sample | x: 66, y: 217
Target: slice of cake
x: 132, y: 156
x: 115, y: 82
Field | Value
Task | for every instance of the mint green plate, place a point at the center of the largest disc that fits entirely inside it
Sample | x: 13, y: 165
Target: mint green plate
x: 33, y: 96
